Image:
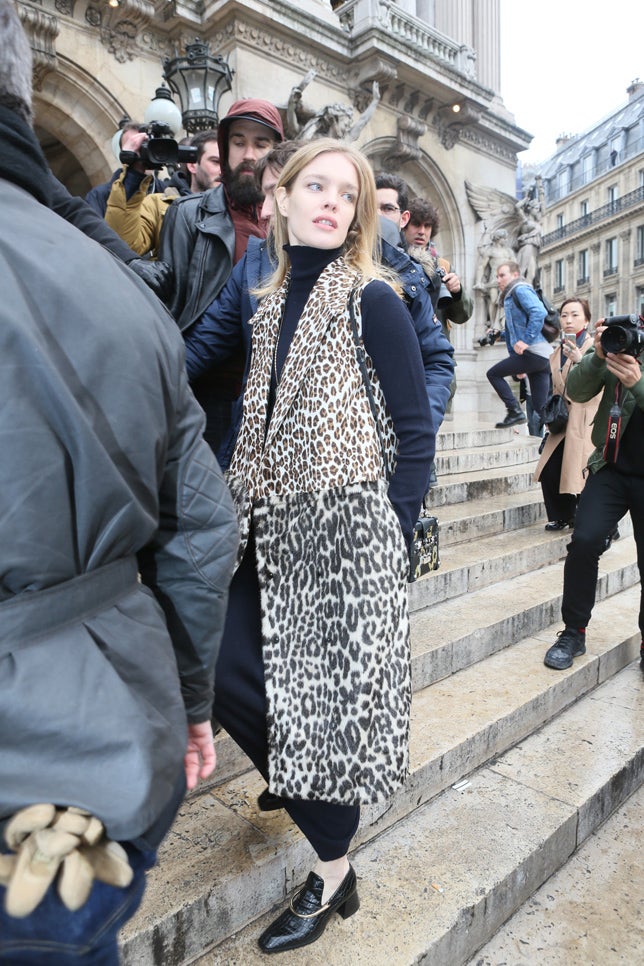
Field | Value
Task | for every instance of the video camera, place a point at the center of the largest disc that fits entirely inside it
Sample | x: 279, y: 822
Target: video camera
x: 160, y: 150
x: 623, y: 333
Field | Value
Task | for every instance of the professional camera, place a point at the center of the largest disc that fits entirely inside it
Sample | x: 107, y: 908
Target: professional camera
x: 490, y: 337
x: 160, y: 150
x: 623, y: 333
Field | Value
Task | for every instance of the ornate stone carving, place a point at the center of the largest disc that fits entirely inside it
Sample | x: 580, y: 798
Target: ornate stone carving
x: 119, y: 26
x: 42, y: 30
x: 450, y: 121
x: 66, y: 7
x: 408, y: 132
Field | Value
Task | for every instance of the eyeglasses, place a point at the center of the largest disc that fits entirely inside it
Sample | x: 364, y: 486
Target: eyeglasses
x: 388, y: 209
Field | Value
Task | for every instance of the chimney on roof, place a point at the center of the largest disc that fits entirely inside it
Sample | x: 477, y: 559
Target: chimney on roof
x: 563, y: 139
x: 635, y: 88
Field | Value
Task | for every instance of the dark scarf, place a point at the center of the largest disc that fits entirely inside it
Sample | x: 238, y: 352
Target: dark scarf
x: 21, y: 159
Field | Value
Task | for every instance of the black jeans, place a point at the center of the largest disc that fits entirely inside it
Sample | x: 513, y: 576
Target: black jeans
x: 537, y: 370
x: 606, y: 497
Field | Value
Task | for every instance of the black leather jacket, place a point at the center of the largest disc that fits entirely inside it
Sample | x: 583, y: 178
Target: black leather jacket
x: 198, y: 242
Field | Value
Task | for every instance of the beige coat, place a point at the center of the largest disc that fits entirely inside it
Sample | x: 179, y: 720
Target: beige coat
x: 577, y: 442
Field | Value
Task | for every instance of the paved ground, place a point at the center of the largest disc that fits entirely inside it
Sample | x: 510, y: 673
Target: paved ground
x: 591, y: 912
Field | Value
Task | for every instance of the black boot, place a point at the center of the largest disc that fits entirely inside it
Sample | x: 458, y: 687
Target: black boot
x: 513, y: 418
x: 305, y: 919
x: 268, y: 802
x: 569, y: 644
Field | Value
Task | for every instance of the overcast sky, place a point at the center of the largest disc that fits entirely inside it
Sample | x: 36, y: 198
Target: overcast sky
x: 567, y: 65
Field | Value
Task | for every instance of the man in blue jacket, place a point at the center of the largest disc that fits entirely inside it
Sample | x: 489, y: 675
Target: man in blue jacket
x: 528, y: 350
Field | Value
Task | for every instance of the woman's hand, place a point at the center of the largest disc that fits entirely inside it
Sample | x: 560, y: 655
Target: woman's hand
x: 200, y: 758
x: 571, y: 351
x: 520, y: 347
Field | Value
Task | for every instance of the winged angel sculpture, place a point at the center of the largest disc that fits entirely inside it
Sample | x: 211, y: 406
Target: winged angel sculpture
x: 512, y: 230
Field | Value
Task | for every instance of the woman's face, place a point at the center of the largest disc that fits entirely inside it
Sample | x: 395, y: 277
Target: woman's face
x: 572, y: 318
x: 321, y: 203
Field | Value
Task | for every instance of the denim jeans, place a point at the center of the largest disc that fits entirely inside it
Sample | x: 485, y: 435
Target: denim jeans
x: 537, y: 370
x: 54, y: 936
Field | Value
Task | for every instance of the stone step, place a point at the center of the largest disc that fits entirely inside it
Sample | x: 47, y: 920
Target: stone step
x: 464, y: 432
x: 465, y: 522
x: 496, y: 482
x: 466, y: 567
x: 223, y: 864
x: 457, y: 633
x: 436, y: 889
x: 590, y: 910
x: 476, y: 458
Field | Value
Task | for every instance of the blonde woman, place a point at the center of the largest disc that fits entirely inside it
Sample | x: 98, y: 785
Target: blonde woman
x: 313, y: 678
x: 560, y: 469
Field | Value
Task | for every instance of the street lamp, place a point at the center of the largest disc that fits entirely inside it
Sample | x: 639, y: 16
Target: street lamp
x: 163, y: 109
x: 198, y: 79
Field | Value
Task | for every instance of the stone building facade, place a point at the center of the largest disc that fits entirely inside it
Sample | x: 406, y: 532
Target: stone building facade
x: 440, y: 120
x: 593, y: 243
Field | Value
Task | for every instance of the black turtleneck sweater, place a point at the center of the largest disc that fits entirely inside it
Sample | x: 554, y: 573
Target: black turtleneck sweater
x: 390, y: 341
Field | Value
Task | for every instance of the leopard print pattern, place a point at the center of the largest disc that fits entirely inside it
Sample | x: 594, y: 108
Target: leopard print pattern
x: 322, y: 433
x: 333, y: 567
x: 332, y: 564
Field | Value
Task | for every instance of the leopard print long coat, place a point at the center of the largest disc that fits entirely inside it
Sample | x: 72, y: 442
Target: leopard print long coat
x: 331, y: 557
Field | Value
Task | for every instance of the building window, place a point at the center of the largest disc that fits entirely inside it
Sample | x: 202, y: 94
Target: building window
x: 563, y: 182
x: 639, y: 295
x: 587, y: 169
x: 641, y: 177
x: 610, y: 305
x: 610, y: 256
x: 560, y: 221
x: 582, y: 268
x: 639, y: 245
x: 560, y: 275
x: 583, y: 208
x: 612, y: 195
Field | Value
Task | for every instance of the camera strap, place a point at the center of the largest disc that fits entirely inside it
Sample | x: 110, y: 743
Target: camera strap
x: 611, y: 446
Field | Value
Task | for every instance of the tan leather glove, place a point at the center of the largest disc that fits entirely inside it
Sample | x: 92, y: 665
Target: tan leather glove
x: 45, y: 840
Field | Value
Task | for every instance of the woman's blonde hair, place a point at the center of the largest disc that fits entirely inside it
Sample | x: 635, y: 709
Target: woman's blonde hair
x: 361, y: 246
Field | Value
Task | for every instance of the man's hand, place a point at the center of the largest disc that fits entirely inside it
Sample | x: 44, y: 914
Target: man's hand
x: 157, y: 275
x: 625, y: 367
x: 452, y: 283
x: 200, y: 758
x: 599, y: 352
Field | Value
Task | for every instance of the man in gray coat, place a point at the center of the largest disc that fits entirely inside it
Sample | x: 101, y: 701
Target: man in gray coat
x: 118, y: 540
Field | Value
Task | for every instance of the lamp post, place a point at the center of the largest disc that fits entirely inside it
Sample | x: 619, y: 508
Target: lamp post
x: 163, y: 109
x: 198, y: 79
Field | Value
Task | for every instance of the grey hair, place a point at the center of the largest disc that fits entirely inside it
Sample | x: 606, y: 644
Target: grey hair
x: 15, y: 63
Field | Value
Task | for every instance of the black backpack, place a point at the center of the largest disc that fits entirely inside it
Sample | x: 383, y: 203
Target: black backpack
x: 551, y: 325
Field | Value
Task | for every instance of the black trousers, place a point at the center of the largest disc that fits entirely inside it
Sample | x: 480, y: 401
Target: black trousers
x: 240, y: 707
x: 537, y: 370
x: 559, y: 506
x: 606, y: 497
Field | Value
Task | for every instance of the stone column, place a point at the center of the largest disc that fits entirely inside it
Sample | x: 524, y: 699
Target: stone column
x: 454, y: 18
x: 487, y: 42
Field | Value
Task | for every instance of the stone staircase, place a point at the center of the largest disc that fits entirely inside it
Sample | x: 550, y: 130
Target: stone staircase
x: 512, y: 765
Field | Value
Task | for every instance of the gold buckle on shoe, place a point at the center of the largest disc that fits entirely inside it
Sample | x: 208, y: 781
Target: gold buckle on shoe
x: 306, y: 915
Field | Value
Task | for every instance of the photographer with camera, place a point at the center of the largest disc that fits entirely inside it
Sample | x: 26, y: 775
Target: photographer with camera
x: 616, y: 480
x: 137, y: 201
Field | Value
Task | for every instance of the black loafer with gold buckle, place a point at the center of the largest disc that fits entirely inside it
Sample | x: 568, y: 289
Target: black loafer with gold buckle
x: 305, y: 919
